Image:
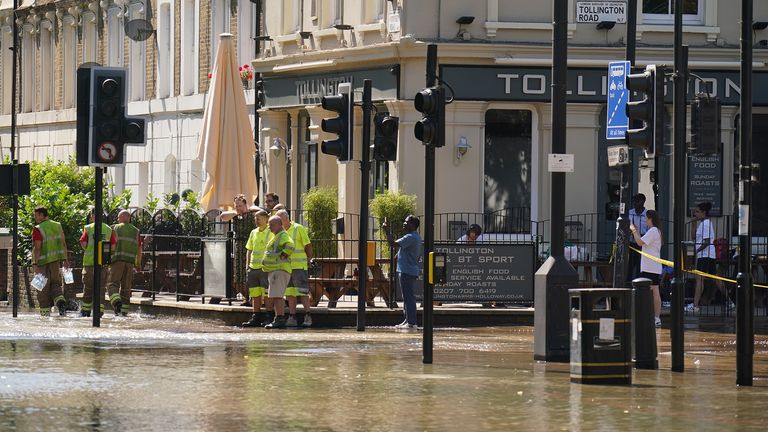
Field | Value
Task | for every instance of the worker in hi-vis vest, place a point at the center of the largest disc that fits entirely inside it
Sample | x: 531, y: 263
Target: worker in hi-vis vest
x: 126, y: 258
x: 88, y: 242
x: 48, y: 254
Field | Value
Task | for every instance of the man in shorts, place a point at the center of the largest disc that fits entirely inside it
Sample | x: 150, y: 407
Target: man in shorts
x: 277, y: 264
x: 298, y: 287
x: 257, y: 278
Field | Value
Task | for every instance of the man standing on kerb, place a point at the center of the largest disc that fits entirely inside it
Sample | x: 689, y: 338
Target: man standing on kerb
x: 408, y: 254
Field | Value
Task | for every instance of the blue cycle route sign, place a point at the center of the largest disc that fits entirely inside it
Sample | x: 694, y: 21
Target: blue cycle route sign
x: 618, y: 95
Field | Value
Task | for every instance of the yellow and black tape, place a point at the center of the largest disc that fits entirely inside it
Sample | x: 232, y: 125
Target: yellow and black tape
x: 695, y: 272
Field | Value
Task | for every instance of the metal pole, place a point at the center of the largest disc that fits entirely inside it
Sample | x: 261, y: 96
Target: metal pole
x: 257, y: 102
x: 365, y: 168
x: 15, y: 196
x: 621, y: 275
x: 556, y: 275
x: 745, y: 311
x: 429, y: 213
x: 98, y: 297
x: 678, y: 282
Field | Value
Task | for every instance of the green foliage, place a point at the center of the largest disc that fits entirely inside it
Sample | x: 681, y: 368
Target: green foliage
x: 392, y: 207
x: 152, y: 203
x: 67, y: 191
x: 321, y: 205
x: 191, y: 200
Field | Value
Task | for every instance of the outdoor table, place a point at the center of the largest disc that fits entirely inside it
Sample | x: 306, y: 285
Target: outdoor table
x: 330, y: 279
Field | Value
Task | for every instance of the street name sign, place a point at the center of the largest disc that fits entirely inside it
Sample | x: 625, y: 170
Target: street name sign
x: 598, y: 11
x: 618, y: 95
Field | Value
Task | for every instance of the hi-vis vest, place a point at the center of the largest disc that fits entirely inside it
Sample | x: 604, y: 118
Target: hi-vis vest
x: 127, y: 245
x: 299, y: 256
x: 52, y: 247
x: 278, y: 244
x: 258, y: 240
x: 106, y: 234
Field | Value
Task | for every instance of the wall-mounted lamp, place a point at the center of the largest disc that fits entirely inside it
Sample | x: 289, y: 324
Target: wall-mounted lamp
x: 759, y: 25
x: 461, y: 147
x: 278, y: 145
x: 462, y: 21
x: 605, y: 25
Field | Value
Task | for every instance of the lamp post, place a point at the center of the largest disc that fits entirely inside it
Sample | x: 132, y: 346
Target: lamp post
x: 15, y: 196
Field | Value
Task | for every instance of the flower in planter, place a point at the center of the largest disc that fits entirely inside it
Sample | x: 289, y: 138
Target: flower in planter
x: 246, y: 73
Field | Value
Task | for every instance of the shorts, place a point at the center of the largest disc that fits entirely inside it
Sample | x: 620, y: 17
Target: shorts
x: 257, y: 282
x: 706, y: 265
x: 298, y: 286
x: 652, y: 276
x: 278, y: 281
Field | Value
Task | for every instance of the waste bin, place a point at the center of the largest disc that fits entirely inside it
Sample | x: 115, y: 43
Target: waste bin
x: 601, y: 324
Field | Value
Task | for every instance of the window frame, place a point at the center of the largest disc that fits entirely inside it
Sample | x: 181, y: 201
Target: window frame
x: 669, y: 18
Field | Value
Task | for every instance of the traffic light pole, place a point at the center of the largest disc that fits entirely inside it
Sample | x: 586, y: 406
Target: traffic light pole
x: 429, y: 211
x: 745, y: 310
x: 15, y: 195
x: 98, y: 296
x: 679, y: 206
x: 365, y: 168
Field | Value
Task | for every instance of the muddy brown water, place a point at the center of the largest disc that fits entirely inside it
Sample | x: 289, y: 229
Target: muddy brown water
x: 136, y: 374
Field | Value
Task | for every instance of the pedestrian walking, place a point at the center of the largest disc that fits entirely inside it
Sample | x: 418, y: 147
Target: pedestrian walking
x: 257, y: 277
x: 126, y: 258
x: 277, y: 264
x: 408, y: 254
x: 650, y: 268
x: 88, y: 243
x: 48, y: 254
x: 705, y: 255
x: 298, y: 287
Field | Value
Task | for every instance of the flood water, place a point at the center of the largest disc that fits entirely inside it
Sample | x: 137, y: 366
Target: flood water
x: 135, y: 374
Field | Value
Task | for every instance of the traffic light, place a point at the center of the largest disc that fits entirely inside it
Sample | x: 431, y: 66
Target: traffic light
x: 384, y: 147
x: 102, y: 127
x: 341, y: 125
x: 705, y: 125
x: 649, y: 110
x: 431, y: 129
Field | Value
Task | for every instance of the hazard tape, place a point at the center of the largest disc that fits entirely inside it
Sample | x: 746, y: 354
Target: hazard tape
x: 695, y: 272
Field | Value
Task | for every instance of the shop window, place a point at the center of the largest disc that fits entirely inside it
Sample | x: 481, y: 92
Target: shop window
x: 662, y: 11
x: 507, y: 170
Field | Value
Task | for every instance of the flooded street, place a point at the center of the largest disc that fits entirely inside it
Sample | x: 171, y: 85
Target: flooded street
x: 162, y: 374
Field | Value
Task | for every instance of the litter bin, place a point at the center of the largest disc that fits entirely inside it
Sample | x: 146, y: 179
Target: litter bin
x: 601, y: 324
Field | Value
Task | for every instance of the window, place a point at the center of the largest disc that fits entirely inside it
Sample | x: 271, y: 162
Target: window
x: 188, y: 47
x: 137, y: 54
x: 28, y: 84
x: 164, y: 52
x: 337, y: 12
x: 69, y: 60
x: 373, y: 10
x: 507, y: 174
x: 7, y: 59
x: 246, y: 31
x: 219, y: 24
x: 90, y: 38
x: 662, y: 11
x: 46, y: 65
x: 115, y: 37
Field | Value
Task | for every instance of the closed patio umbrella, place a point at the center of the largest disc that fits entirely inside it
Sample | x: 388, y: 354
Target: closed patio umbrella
x: 226, y: 141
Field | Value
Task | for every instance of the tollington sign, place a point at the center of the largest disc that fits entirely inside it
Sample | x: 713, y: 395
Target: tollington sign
x: 486, y: 272
x: 597, y: 11
x: 508, y: 83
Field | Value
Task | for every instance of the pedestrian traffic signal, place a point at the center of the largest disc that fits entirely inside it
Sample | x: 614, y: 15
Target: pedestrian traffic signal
x: 649, y: 110
x: 430, y: 130
x: 341, y: 125
x: 102, y: 127
x: 705, y: 125
x: 384, y: 147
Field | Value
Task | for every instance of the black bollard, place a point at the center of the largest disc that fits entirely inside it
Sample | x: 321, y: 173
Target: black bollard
x: 643, y: 326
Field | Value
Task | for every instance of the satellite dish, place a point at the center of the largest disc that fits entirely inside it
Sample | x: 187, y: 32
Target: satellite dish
x: 139, y: 29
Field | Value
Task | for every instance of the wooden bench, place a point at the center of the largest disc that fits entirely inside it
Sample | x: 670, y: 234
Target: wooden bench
x: 604, y: 273
x: 330, y: 280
